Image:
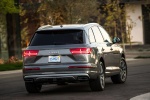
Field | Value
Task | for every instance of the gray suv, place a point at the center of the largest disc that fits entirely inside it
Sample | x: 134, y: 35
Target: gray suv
x: 73, y: 53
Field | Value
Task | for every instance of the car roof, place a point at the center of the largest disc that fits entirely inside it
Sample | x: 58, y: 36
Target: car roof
x: 66, y: 26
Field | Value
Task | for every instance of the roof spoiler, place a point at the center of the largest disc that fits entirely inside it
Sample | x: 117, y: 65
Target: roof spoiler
x: 45, y: 26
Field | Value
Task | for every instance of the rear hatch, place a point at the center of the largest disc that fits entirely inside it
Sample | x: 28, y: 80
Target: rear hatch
x: 57, y: 48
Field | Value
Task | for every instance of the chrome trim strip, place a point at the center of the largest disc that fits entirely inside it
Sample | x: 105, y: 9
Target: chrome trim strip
x: 56, y: 75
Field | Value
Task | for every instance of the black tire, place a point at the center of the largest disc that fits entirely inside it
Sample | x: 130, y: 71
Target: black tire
x: 122, y: 76
x: 33, y: 87
x: 99, y: 83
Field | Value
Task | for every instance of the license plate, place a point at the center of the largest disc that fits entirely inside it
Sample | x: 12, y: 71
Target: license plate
x: 54, y: 59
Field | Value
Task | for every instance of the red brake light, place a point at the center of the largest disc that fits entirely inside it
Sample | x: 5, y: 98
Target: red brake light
x: 26, y: 69
x: 81, y: 50
x: 28, y: 53
x: 80, y: 67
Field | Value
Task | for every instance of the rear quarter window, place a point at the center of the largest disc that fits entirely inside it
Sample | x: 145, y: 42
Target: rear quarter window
x: 57, y: 37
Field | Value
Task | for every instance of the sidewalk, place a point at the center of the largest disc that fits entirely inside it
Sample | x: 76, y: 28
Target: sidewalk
x: 10, y: 72
x: 142, y: 51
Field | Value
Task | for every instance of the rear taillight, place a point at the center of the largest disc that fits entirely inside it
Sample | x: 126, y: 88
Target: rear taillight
x: 28, y: 53
x: 81, y: 50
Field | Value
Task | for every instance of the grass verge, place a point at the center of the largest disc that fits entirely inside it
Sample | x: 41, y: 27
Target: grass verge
x: 11, y: 66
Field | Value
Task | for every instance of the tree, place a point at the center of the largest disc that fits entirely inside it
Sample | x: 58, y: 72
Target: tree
x: 81, y: 11
x: 112, y: 14
x: 55, y: 12
x: 6, y: 7
x: 113, y: 18
x: 74, y: 11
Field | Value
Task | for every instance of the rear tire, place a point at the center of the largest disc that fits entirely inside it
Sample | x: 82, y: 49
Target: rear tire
x: 122, y: 76
x: 98, y: 84
x: 33, y: 87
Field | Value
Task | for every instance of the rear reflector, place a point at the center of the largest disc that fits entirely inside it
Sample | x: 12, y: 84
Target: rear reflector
x: 80, y: 67
x: 81, y: 50
x: 37, y: 68
x: 28, y: 53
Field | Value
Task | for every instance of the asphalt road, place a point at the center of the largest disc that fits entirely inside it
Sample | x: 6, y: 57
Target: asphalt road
x: 138, y: 82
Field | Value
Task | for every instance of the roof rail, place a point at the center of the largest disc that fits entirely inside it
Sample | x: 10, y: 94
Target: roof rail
x: 45, y: 26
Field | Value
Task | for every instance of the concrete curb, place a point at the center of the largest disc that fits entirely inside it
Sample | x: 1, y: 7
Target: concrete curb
x: 131, y: 59
x: 142, y: 97
x: 10, y: 72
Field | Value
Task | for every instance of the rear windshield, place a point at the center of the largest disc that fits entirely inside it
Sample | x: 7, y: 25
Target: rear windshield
x: 59, y: 37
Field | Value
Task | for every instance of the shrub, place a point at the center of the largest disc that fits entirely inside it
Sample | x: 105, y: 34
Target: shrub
x: 12, y: 59
x: 11, y: 66
x: 1, y: 61
x: 12, y: 63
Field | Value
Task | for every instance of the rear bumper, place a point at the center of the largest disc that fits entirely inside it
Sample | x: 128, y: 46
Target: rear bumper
x: 56, y: 78
x: 56, y: 73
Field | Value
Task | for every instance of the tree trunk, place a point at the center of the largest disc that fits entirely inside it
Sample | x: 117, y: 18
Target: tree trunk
x: 3, y: 38
x: 14, y: 37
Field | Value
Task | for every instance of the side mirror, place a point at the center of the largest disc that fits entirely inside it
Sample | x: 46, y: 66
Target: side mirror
x: 116, y: 40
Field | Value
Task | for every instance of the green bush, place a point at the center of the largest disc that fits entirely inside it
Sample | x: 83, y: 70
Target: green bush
x: 11, y: 66
x: 13, y: 63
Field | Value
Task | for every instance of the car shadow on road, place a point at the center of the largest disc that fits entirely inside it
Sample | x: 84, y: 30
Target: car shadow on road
x: 71, y: 88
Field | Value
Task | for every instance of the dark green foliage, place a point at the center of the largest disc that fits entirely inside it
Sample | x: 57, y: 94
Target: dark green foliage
x: 11, y: 66
x: 112, y: 17
x: 8, y: 6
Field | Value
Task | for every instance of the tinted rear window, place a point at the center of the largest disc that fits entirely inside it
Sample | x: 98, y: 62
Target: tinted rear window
x: 59, y: 37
